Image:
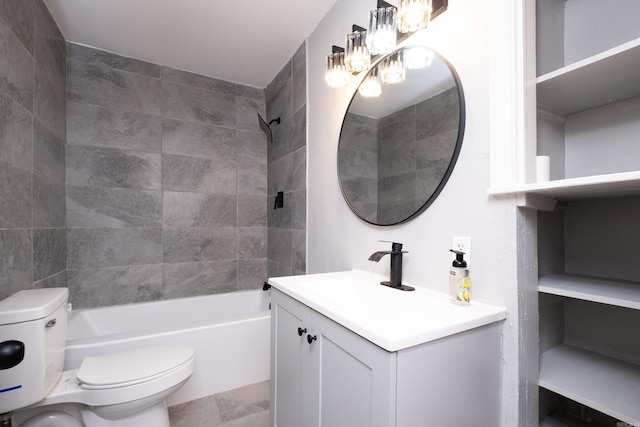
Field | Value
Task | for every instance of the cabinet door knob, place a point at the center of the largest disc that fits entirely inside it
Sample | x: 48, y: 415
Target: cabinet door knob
x: 301, y: 331
x: 311, y: 339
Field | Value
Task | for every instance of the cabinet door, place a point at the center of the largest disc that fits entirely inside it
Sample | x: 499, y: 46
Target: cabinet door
x: 352, y: 379
x: 289, y: 362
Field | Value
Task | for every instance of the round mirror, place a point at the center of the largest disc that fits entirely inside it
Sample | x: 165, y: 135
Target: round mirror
x: 401, y: 136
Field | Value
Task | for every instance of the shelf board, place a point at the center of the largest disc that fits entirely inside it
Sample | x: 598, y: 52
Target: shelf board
x: 604, y: 78
x: 599, y: 382
x: 609, y: 185
x: 613, y: 292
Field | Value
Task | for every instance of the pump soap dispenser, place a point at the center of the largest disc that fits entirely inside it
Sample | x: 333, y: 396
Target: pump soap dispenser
x: 459, y: 282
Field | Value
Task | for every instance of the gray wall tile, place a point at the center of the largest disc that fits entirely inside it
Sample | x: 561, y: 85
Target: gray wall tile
x: 100, y: 85
x: 113, y: 207
x: 106, y: 247
x: 199, y: 140
x: 299, y: 69
x: 199, y: 278
x: 112, y: 127
x: 49, y: 104
x: 212, y: 150
x: 252, y: 273
x: 16, y: 132
x: 198, y: 81
x: 248, y: 110
x: 48, y: 153
x: 58, y: 280
x: 108, y: 167
x: 279, y: 249
x: 44, y: 22
x: 16, y: 68
x: 48, y: 203
x: 16, y: 262
x: 125, y: 285
x: 252, y: 210
x: 299, y: 210
x: 32, y: 175
x: 111, y: 60
x: 199, y: 210
x: 252, y: 242
x: 286, y: 97
x: 181, y: 173
x: 199, y: 244
x: 49, y: 252
x: 193, y: 104
x: 252, y: 163
x: 50, y: 57
x: 19, y: 16
x: 15, y: 197
x: 299, y: 250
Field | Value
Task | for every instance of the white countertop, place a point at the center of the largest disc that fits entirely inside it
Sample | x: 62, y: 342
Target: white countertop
x: 390, y: 318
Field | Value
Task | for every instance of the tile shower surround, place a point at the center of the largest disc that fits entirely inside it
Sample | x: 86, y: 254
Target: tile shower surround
x: 32, y: 142
x: 287, y: 155
x: 166, y: 177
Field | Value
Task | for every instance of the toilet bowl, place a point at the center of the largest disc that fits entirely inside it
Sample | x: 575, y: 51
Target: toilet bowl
x: 123, y: 389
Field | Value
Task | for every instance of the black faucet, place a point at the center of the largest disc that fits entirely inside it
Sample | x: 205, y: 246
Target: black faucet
x: 396, y: 266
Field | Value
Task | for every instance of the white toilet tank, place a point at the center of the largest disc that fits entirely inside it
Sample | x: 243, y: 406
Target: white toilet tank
x: 33, y: 329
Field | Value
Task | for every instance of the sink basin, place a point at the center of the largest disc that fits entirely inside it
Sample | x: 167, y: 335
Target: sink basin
x: 389, y: 318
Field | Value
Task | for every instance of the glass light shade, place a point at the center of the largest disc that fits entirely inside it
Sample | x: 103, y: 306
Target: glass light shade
x: 371, y: 87
x: 336, y: 74
x: 418, y: 57
x: 392, y: 70
x: 356, y: 56
x: 413, y: 15
x: 383, y: 28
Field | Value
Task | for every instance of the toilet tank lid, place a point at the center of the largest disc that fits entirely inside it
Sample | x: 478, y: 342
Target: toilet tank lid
x: 32, y: 304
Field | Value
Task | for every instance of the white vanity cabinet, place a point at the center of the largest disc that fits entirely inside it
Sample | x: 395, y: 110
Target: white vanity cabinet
x: 324, y: 374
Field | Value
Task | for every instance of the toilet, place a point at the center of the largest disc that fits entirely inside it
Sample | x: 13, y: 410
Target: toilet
x: 123, y: 389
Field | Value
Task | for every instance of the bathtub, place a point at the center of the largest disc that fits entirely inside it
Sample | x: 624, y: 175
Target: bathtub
x: 229, y: 332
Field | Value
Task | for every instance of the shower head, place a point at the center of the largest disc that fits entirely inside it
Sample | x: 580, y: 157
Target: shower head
x: 266, y: 127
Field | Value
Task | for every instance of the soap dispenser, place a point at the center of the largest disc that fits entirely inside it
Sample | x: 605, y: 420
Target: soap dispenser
x: 459, y: 282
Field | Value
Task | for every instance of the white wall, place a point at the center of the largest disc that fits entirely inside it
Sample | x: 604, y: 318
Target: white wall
x: 338, y: 240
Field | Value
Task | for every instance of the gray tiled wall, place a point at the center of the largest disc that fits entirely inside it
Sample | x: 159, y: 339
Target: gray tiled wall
x: 287, y: 154
x: 32, y: 143
x: 416, y: 146
x: 166, y: 182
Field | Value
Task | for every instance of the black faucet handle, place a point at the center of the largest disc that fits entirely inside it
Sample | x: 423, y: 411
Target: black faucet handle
x: 395, y: 246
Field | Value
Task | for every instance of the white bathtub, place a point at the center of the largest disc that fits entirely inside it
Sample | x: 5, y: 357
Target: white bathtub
x: 229, y: 332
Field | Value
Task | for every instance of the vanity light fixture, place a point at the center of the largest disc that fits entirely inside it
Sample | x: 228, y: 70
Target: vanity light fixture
x: 413, y: 15
x: 356, y: 55
x: 383, y: 29
x: 392, y: 70
x: 381, y: 38
x: 371, y: 87
x: 336, y: 74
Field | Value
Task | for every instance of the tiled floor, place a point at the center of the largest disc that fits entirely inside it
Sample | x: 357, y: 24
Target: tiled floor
x: 243, y: 407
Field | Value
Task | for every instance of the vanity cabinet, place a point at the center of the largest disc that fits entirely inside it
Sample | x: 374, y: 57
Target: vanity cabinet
x: 325, y: 375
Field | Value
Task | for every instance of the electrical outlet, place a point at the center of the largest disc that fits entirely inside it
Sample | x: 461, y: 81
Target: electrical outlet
x: 463, y: 244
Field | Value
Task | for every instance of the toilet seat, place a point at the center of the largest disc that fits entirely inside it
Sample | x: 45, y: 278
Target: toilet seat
x: 70, y: 389
x: 130, y: 367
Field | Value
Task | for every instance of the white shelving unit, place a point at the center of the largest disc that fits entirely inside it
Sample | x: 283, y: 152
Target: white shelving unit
x: 602, y: 383
x: 577, y: 116
x: 607, y: 77
x: 614, y: 292
x: 615, y: 184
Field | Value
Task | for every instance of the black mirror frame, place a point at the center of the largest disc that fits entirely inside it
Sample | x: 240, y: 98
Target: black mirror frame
x: 454, y: 157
